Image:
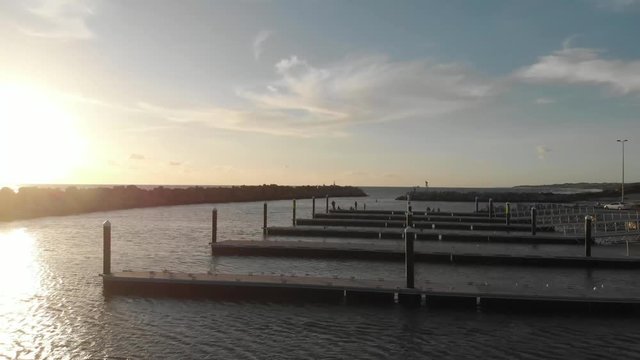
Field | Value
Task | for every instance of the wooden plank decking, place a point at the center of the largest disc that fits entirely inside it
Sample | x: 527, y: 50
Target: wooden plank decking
x: 396, y: 253
x: 426, y: 234
x: 305, y: 288
x: 402, y: 216
x: 421, y: 224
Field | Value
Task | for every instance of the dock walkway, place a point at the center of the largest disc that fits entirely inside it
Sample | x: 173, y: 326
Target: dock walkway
x: 447, y: 218
x: 453, y: 225
x: 397, y: 253
x: 426, y: 234
x: 297, y: 288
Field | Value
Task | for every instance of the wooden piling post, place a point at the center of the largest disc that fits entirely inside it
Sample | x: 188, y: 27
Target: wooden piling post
x: 106, y: 248
x: 294, y: 212
x: 476, y: 204
x: 214, y: 226
x: 409, y: 218
x: 408, y: 258
x: 533, y: 220
x: 264, y: 218
x: 490, y: 208
x: 327, y: 205
x: 507, y: 215
x: 587, y: 235
x: 313, y: 207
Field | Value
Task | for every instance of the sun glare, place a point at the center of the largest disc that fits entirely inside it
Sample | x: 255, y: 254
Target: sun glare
x: 39, y: 142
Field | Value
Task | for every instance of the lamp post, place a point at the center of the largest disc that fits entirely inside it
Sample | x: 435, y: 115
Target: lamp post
x: 622, y: 142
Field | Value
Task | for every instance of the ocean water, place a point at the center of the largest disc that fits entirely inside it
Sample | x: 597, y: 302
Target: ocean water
x: 52, y: 306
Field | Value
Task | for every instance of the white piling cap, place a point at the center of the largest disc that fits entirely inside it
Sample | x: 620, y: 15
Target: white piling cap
x: 106, y: 223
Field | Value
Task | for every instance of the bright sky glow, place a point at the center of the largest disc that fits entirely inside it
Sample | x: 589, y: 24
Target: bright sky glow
x: 38, y: 141
x: 459, y: 93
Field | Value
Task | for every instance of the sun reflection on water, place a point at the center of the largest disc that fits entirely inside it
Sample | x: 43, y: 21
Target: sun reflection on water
x: 18, y: 265
x: 19, y: 283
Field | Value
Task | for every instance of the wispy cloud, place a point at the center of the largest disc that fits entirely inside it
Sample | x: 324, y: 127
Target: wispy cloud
x: 60, y: 19
x: 542, y: 151
x: 308, y: 101
x: 584, y: 66
x: 369, y: 89
x: 175, y: 163
x: 258, y: 42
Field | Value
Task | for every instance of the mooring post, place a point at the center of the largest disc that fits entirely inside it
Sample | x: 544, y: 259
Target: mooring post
x: 409, y: 218
x: 106, y: 248
x: 408, y: 258
x: 327, y: 205
x: 214, y: 226
x: 264, y: 219
x: 490, y: 208
x: 587, y: 235
x: 533, y: 220
x: 507, y: 215
x: 408, y: 202
x: 313, y: 207
x: 294, y: 212
x: 364, y: 207
x: 476, y: 204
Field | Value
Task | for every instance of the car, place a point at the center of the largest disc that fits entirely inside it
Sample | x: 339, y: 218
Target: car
x: 617, y: 206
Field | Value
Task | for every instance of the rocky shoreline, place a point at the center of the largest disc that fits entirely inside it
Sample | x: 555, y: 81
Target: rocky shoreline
x: 33, y: 202
x: 530, y: 195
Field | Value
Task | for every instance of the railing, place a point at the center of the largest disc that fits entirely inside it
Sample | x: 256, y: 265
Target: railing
x: 609, y: 226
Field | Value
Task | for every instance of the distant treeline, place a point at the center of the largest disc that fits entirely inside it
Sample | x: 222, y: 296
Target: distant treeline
x: 31, y: 202
x: 516, y: 196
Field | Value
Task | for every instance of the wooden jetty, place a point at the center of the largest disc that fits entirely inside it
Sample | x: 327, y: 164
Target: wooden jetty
x: 303, y: 288
x: 422, y: 224
x: 382, y: 217
x: 418, y: 213
x: 424, y: 234
x: 356, y: 251
x: 325, y: 289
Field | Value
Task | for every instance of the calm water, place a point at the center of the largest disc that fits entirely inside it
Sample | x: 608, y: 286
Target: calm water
x: 51, y: 303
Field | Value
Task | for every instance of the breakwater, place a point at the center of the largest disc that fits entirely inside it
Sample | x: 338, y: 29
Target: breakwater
x: 515, y: 196
x: 33, y: 202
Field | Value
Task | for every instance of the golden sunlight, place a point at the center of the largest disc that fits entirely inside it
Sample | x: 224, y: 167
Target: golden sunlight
x: 39, y: 142
x: 18, y: 265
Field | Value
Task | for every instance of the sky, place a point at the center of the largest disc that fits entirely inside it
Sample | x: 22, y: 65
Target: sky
x: 379, y: 93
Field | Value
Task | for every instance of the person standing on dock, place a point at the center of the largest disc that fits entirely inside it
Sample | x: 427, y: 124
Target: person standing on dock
x: 356, y: 205
x: 333, y: 205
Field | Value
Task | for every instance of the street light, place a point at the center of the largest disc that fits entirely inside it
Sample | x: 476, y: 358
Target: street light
x: 622, y: 142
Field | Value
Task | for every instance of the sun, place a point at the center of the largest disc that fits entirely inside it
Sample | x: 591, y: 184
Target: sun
x: 39, y: 142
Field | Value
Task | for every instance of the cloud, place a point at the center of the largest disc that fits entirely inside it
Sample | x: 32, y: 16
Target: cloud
x: 304, y: 100
x: 175, y: 163
x: 136, y: 157
x: 59, y: 19
x: 544, y: 101
x: 542, y: 151
x: 584, y: 66
x: 308, y: 101
x: 258, y: 41
x: 369, y: 89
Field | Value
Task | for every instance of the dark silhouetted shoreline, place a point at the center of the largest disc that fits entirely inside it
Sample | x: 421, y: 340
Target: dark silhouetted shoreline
x: 530, y: 195
x: 33, y: 202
